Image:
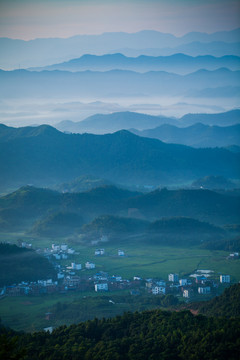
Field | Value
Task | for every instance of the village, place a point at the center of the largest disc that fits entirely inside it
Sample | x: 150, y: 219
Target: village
x: 71, y: 278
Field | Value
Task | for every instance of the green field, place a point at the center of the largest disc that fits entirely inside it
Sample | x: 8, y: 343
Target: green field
x: 29, y: 313
x: 152, y: 261
x: 141, y: 260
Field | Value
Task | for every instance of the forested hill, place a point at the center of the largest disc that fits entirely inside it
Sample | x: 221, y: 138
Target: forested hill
x: 44, y: 156
x: 30, y: 204
x: 225, y: 305
x: 134, y: 336
x: 20, y: 264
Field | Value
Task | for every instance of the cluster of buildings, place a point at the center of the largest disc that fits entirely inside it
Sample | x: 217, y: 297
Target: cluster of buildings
x: 200, y: 283
x: 69, y: 279
x: 36, y: 288
x: 196, y: 284
x: 59, y: 252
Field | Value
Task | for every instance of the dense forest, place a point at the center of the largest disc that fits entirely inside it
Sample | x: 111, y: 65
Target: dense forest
x: 135, y: 336
x: 20, y: 264
x: 152, y: 335
x: 227, y: 305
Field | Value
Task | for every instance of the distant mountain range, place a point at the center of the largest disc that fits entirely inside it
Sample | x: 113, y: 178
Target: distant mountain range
x: 105, y: 123
x: 177, y: 63
x: 42, y: 52
x: 45, y: 156
x: 197, y: 135
x: 115, y: 83
x: 195, y: 48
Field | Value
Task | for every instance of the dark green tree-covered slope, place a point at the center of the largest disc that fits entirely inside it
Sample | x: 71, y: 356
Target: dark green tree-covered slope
x: 170, y: 231
x: 134, y: 336
x: 45, y: 156
x: 20, y: 264
x: 57, y: 224
x: 225, y: 305
x: 27, y: 205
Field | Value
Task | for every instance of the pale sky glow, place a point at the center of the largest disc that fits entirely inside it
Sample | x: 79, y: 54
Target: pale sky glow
x: 29, y: 19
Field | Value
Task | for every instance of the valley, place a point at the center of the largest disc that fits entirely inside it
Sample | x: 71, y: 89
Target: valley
x: 119, y: 180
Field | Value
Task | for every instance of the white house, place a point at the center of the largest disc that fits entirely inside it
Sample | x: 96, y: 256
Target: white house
x: 204, y: 290
x: 89, y: 265
x: 71, y: 251
x: 173, y: 277
x: 224, y: 278
x: 64, y: 247
x: 76, y: 266
x: 99, y: 252
x: 158, y: 290
x: 101, y: 287
x: 121, y: 253
x: 186, y: 293
x: 183, y: 282
x: 55, y: 247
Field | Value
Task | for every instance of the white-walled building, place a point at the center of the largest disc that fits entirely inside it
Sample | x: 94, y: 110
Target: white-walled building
x: 204, y: 290
x: 71, y: 251
x: 101, y: 287
x: 183, y: 282
x: 121, y: 253
x: 55, y: 247
x: 224, y: 278
x: 158, y: 290
x: 173, y: 277
x: 76, y: 266
x: 99, y: 252
x: 89, y: 265
x: 186, y: 293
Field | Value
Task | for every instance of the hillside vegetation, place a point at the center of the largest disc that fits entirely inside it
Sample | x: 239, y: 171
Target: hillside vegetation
x: 20, y: 264
x: 133, y: 336
x: 168, y: 231
x: 225, y: 305
x: 44, y: 156
x: 43, y: 210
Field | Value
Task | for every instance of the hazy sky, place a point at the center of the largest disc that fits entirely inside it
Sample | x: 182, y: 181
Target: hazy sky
x: 29, y: 19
